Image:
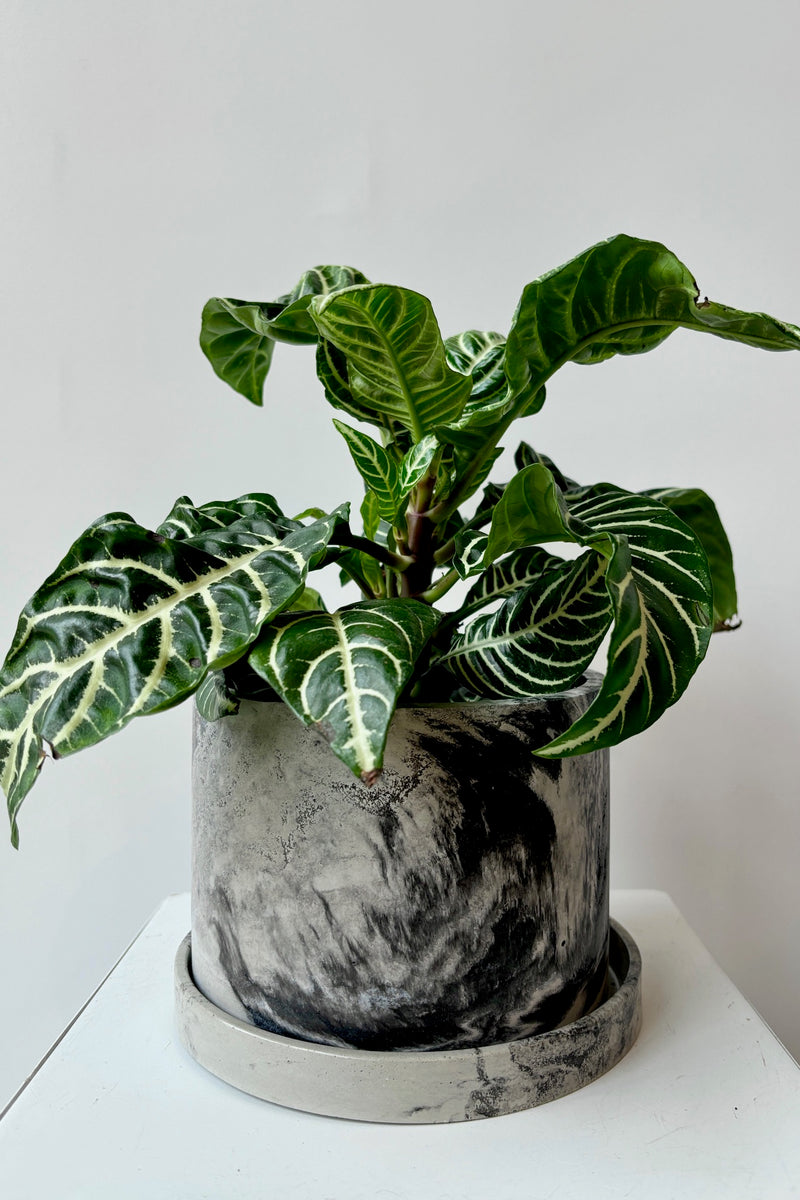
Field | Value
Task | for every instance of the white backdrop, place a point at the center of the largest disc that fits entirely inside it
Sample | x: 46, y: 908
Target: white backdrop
x: 159, y: 153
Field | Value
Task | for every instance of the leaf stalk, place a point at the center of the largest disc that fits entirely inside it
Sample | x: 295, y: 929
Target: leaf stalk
x: 398, y: 562
x: 440, y: 588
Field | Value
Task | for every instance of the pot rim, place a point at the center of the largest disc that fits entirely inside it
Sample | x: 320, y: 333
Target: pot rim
x: 588, y: 685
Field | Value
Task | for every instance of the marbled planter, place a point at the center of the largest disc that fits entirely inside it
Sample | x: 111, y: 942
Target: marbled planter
x: 462, y: 901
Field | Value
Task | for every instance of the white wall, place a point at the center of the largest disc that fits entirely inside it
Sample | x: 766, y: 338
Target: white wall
x: 158, y: 153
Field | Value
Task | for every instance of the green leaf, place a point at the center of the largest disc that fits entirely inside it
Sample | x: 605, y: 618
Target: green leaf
x: 699, y: 512
x: 660, y: 589
x: 309, y: 600
x: 467, y: 444
x: 510, y: 574
x: 481, y: 356
x: 242, y: 683
x: 370, y: 514
x: 234, y: 337
x: 470, y: 551
x: 486, y: 505
x: 752, y: 329
x: 186, y: 521
x: 467, y: 439
x: 363, y: 569
x: 214, y: 699
x: 313, y: 511
x: 531, y: 510
x: 659, y: 586
x: 395, y: 355
x: 542, y: 638
x: 238, y: 336
x: 480, y: 477
x: 131, y: 620
x: 294, y: 323
x: 221, y: 692
x: 343, y: 672
x: 378, y: 470
x: 622, y: 296
x: 526, y: 456
x: 417, y: 462
x: 332, y: 374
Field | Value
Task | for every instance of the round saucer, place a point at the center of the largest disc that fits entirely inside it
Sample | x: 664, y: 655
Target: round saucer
x: 422, y: 1087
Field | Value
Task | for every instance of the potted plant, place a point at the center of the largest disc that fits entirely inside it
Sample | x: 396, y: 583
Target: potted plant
x: 488, y: 828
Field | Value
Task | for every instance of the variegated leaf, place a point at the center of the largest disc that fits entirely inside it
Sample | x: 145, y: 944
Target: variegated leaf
x: 512, y: 573
x: 187, y: 521
x: 130, y: 622
x: 698, y: 510
x: 417, y: 462
x: 293, y: 323
x: 333, y: 375
x: 343, y: 672
x: 658, y: 581
x: 221, y: 692
x: 542, y: 638
x: 478, y: 353
x: 238, y: 336
x: 240, y: 682
x: 470, y: 551
x: 481, y: 356
x: 214, y: 699
x: 660, y: 589
x: 377, y: 468
x: 622, y: 296
x: 395, y: 355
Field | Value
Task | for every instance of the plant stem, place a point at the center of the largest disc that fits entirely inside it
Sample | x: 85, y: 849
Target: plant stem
x: 419, y: 539
x: 441, y: 587
x: 445, y: 552
x: 464, y: 489
x: 398, y: 562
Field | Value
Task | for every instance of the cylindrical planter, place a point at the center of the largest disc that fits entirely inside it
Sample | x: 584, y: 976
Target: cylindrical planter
x: 462, y: 901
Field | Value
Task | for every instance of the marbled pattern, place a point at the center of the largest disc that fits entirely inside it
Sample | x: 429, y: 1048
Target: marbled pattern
x: 407, y: 1088
x: 461, y: 901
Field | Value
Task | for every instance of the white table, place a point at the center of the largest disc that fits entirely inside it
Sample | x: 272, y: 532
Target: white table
x: 707, y: 1104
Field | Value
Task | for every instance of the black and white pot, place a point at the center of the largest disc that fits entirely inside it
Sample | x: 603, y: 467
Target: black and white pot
x: 457, y: 908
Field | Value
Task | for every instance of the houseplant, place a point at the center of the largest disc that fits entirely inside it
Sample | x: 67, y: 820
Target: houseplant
x: 216, y: 601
